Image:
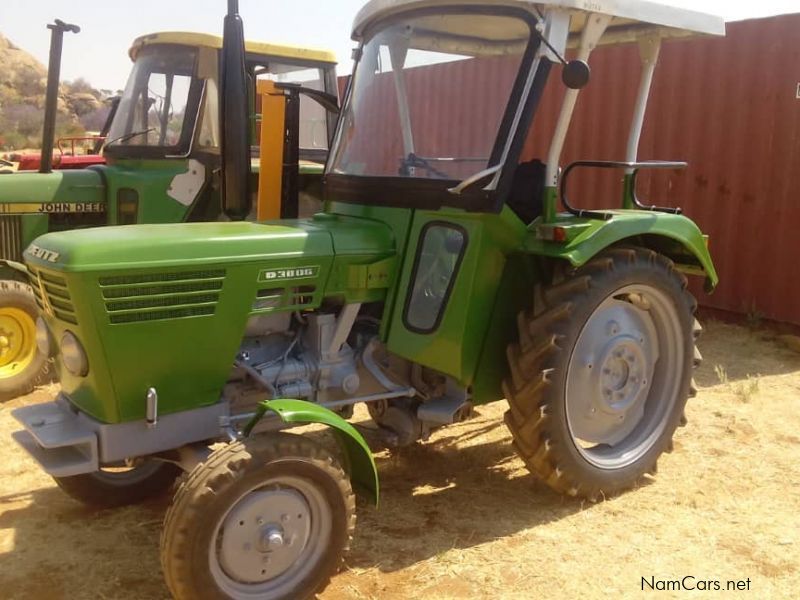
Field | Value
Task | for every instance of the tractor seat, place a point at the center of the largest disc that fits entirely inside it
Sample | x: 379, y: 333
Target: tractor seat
x: 527, y: 190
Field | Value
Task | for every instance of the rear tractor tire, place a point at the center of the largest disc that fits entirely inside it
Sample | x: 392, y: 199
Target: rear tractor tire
x: 22, y: 366
x: 110, y: 488
x: 266, y: 518
x: 602, y: 372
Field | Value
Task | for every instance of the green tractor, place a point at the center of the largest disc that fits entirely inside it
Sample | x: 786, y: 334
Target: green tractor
x: 163, y: 160
x: 439, y: 276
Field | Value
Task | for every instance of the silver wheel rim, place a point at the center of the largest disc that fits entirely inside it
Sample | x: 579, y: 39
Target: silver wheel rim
x: 272, y: 537
x: 624, y: 376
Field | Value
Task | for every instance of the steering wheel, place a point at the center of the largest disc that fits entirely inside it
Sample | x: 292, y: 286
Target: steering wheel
x: 414, y: 161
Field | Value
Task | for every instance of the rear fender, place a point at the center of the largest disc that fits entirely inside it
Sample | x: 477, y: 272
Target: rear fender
x: 360, y: 463
x: 673, y: 235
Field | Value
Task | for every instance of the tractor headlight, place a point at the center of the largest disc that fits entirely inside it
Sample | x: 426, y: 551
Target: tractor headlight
x: 44, y: 341
x: 73, y: 355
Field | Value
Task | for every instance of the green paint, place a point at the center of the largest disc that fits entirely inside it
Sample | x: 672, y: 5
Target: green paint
x: 81, y: 185
x: 514, y: 294
x: 549, y: 204
x: 186, y: 351
x: 628, y: 191
x: 151, y: 179
x: 361, y: 464
x: 399, y: 222
x: 683, y: 240
x: 33, y: 226
x: 455, y: 345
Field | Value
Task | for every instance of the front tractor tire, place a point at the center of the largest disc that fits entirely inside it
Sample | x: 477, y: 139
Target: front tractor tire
x: 110, y: 488
x: 602, y: 372
x: 22, y: 366
x: 266, y: 518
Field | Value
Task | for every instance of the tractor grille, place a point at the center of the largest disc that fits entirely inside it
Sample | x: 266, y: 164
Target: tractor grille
x: 11, y: 238
x: 52, y: 295
x: 161, y: 296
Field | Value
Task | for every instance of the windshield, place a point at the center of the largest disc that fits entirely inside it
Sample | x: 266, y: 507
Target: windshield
x: 429, y: 95
x: 313, y: 117
x: 156, y: 107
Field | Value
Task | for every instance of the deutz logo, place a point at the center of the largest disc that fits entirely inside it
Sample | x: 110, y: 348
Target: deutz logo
x: 43, y: 253
x: 293, y: 273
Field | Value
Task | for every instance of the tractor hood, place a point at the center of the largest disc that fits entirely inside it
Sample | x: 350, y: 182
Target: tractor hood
x: 57, y: 192
x: 192, y: 287
x: 145, y: 247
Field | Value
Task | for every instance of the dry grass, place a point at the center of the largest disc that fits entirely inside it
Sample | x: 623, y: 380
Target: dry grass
x: 461, y: 518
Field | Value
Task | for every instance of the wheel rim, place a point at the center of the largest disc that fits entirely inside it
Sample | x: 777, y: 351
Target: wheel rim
x: 17, y: 341
x: 624, y: 376
x: 271, y: 539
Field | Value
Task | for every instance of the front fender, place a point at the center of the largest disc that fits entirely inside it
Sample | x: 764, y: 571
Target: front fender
x: 14, y: 266
x: 585, y: 238
x: 363, y: 471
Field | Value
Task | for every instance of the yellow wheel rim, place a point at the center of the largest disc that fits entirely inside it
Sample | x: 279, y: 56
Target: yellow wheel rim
x: 17, y: 341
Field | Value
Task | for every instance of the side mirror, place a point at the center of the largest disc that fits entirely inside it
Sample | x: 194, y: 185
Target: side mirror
x: 575, y: 74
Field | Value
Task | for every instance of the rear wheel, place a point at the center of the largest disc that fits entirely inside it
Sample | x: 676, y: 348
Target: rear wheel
x: 266, y: 518
x: 601, y: 375
x: 110, y: 488
x: 22, y: 366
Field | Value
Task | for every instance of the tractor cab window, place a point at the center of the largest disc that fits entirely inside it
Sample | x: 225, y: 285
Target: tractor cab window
x: 437, y: 88
x: 159, y: 106
x: 313, y: 117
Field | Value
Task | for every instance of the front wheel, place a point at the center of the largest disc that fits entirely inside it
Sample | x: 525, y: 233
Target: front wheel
x: 22, y: 366
x: 601, y: 375
x: 267, y: 518
x: 109, y: 488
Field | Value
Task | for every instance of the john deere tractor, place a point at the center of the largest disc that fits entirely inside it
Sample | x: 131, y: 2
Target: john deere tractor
x: 163, y: 155
x: 441, y: 275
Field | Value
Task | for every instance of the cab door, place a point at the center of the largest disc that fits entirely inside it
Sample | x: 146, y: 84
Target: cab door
x: 447, y: 290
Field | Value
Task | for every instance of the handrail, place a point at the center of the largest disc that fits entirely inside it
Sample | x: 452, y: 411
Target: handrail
x: 618, y: 164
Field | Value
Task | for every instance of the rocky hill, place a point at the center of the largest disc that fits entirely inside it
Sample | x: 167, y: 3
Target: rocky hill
x: 23, y: 83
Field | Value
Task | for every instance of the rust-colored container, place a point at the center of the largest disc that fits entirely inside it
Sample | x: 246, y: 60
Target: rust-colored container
x: 730, y: 108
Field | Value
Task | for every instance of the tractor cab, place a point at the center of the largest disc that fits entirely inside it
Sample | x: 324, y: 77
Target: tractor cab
x: 456, y: 89
x: 170, y: 110
x: 170, y: 106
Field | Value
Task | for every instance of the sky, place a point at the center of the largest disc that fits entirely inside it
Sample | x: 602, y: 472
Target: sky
x: 99, y: 53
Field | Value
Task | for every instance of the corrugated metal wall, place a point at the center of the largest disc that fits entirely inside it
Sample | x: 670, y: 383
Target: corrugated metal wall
x: 727, y: 106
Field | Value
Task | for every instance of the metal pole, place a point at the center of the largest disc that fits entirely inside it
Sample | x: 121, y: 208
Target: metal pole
x: 592, y: 32
x: 290, y: 195
x: 648, y: 51
x: 51, y: 98
x: 235, y: 118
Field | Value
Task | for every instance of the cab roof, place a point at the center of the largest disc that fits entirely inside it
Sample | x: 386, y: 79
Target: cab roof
x: 631, y: 18
x: 206, y: 40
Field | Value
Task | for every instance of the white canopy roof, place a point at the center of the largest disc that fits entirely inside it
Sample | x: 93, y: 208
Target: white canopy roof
x: 630, y: 17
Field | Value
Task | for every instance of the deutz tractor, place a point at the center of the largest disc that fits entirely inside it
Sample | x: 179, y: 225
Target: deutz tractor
x: 441, y: 275
x: 163, y: 155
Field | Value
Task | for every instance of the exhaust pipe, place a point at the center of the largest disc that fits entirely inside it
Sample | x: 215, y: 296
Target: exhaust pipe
x: 235, y: 113
x: 51, y: 98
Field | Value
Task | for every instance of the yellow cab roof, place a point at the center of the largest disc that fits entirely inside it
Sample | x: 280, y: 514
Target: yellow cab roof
x: 206, y: 40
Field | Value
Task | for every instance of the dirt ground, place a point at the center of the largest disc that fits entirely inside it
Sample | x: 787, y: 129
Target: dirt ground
x: 461, y: 517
